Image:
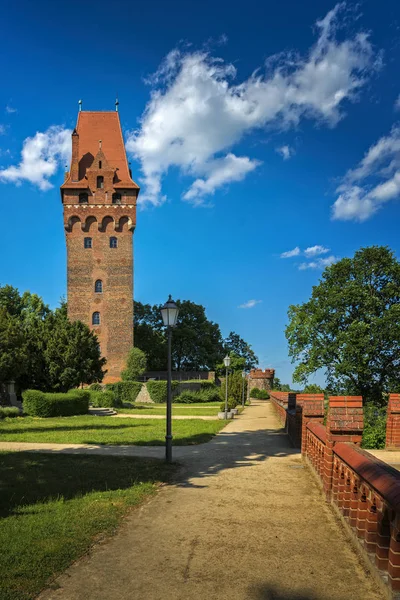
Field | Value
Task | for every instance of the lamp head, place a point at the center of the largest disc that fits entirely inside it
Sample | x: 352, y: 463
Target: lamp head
x: 227, y: 360
x: 169, y: 313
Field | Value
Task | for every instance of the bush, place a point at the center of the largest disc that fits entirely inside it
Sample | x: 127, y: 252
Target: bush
x: 231, y: 404
x: 124, y: 391
x: 41, y: 404
x: 374, y: 434
x: 235, y: 386
x: 136, y: 365
x: 260, y: 394
x: 102, y: 399
x: 8, y: 412
x: 158, y: 390
x: 191, y: 397
x: 96, y: 387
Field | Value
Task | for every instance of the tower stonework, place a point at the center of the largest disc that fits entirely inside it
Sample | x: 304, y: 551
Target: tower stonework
x: 99, y: 201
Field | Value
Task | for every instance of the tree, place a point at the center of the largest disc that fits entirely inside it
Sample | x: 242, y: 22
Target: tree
x: 351, y: 325
x: 42, y: 349
x: 235, y: 344
x: 238, y: 363
x: 313, y: 388
x: 136, y: 365
x: 235, y: 386
x: 197, y: 341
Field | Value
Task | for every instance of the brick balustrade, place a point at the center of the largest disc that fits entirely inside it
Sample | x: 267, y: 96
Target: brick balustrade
x: 393, y: 422
x: 295, y: 410
x: 364, y: 490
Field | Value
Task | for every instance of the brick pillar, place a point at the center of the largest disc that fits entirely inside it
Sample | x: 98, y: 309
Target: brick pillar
x: 345, y: 423
x: 312, y: 409
x: 393, y: 422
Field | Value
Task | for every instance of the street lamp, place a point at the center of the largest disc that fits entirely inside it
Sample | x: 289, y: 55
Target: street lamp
x: 169, y: 313
x: 244, y: 379
x: 227, y: 362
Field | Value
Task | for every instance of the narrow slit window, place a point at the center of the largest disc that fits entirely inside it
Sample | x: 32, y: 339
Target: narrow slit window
x: 99, y: 164
x: 113, y: 242
x: 98, y: 286
x: 96, y: 318
x: 87, y: 242
x: 100, y: 182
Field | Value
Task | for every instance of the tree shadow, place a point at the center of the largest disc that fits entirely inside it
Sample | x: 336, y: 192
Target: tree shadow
x: 271, y: 592
x: 27, y: 477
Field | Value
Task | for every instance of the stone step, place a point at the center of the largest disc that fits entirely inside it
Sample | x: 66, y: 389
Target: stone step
x: 102, y: 412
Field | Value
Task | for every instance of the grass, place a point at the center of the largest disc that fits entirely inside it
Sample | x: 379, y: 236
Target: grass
x: 177, y: 409
x: 86, y: 429
x: 53, y: 507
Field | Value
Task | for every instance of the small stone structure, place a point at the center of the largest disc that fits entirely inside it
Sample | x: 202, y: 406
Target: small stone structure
x: 262, y: 380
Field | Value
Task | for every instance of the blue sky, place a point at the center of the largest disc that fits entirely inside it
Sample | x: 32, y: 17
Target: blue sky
x: 253, y: 133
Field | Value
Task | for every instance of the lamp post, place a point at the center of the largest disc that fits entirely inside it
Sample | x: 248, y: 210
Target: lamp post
x: 169, y: 313
x: 244, y: 379
x: 227, y: 362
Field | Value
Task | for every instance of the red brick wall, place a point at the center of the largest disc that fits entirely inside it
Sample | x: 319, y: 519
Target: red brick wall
x: 393, y: 422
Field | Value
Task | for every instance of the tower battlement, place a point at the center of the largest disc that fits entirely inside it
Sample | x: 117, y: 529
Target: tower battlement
x: 99, y: 200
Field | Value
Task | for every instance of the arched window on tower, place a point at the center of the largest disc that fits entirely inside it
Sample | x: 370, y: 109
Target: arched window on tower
x: 96, y: 318
x: 98, y: 286
x: 116, y: 198
x: 87, y: 242
x: 83, y: 198
x: 113, y: 242
x: 100, y: 182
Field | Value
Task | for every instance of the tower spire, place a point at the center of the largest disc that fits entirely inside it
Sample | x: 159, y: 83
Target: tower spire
x: 80, y: 105
x: 116, y: 104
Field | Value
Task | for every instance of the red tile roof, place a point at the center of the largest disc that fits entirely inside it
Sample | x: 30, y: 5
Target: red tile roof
x: 105, y: 126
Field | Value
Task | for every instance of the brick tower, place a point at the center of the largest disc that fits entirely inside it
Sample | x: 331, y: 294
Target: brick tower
x: 99, y: 200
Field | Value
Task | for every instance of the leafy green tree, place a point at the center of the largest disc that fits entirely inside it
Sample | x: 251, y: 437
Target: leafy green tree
x: 235, y: 387
x: 234, y: 344
x: 13, y: 353
x: 238, y: 363
x: 136, y: 365
x: 351, y: 325
x: 313, y: 388
x: 197, y: 341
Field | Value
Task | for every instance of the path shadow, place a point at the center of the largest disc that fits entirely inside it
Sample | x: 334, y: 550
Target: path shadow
x: 271, y: 592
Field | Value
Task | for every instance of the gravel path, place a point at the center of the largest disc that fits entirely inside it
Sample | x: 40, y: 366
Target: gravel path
x: 244, y: 521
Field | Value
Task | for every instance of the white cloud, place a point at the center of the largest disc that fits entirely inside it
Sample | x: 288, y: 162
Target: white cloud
x: 249, y: 304
x: 218, y: 172
x: 41, y: 156
x: 197, y: 113
x: 319, y: 263
x: 10, y: 109
x: 285, y: 151
x: 315, y: 251
x: 374, y: 181
x: 291, y: 253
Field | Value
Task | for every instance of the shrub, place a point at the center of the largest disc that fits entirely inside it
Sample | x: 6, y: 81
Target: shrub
x: 231, y: 404
x: 96, y: 387
x: 8, y: 412
x: 374, y: 434
x: 124, y: 391
x: 263, y: 395
x: 41, y: 404
x: 254, y: 393
x: 136, y: 365
x: 158, y: 390
x: 235, y: 386
x: 191, y: 397
x: 102, y: 399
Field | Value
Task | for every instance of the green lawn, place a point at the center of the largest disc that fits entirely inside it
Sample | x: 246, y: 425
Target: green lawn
x: 88, y: 429
x: 177, y: 409
x: 52, y: 508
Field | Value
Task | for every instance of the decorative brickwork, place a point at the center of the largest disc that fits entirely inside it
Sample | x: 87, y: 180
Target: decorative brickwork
x: 99, y: 199
x: 393, y: 422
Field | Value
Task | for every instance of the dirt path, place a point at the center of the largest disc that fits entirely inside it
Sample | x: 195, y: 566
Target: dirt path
x: 246, y: 521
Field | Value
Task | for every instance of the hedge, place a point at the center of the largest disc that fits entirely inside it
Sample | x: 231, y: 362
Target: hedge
x: 96, y: 387
x: 231, y: 404
x: 191, y: 397
x: 8, y: 412
x: 102, y: 399
x: 158, y: 390
x: 41, y: 404
x: 124, y: 391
